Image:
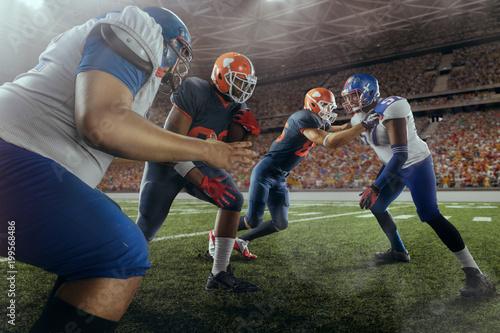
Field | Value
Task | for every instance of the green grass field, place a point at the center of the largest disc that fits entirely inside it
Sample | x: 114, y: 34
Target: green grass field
x: 317, y: 276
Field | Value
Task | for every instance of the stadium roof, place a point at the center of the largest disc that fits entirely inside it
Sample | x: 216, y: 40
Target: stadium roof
x: 274, y: 34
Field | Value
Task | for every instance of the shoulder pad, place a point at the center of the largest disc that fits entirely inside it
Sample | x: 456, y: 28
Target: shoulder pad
x: 393, y: 107
x: 123, y: 44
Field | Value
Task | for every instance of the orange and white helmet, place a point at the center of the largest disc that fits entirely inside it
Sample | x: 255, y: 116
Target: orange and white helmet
x: 234, y: 76
x: 322, y: 102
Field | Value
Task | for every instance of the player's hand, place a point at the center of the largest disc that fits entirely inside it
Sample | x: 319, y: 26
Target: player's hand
x: 223, y: 155
x: 369, y: 196
x: 217, y: 190
x: 245, y: 118
x: 371, y: 120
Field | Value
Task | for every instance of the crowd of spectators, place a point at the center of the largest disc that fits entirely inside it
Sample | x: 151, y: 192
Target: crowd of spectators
x: 452, y: 99
x: 475, y: 66
x: 123, y: 177
x: 466, y: 149
x: 465, y: 145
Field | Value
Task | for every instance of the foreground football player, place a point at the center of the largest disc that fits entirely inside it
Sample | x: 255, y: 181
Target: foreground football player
x: 61, y: 125
x: 303, y: 130
x: 407, y: 162
x: 201, y: 109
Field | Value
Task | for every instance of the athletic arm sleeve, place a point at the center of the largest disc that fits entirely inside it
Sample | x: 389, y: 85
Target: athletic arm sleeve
x: 398, y: 159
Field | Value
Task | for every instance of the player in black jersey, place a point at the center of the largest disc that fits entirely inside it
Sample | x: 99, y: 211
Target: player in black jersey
x: 204, y: 109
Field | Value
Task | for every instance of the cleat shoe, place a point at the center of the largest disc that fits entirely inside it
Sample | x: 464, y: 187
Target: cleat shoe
x: 226, y: 281
x: 241, y: 246
x: 393, y: 255
x: 211, y: 243
x: 477, y: 284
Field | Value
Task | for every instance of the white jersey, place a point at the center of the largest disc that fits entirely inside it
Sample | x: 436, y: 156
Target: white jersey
x: 37, y: 108
x: 393, y: 108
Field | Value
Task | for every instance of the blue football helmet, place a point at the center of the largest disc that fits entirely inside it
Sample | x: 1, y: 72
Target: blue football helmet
x: 359, y: 91
x: 178, y: 53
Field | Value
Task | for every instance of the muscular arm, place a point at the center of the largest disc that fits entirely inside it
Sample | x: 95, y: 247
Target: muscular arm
x: 396, y: 128
x: 104, y: 118
x: 336, y: 139
x: 340, y: 128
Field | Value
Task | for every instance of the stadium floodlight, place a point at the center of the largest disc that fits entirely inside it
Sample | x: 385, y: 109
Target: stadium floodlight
x: 33, y: 4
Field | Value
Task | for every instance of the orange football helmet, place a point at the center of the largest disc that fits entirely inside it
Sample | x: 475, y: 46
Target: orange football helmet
x: 322, y: 102
x: 234, y: 75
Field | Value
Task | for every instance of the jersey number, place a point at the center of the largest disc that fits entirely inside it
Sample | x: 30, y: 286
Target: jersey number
x: 282, y: 133
x: 204, y: 133
x: 305, y: 148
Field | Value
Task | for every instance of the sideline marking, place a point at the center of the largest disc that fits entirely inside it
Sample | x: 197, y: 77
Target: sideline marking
x: 481, y: 219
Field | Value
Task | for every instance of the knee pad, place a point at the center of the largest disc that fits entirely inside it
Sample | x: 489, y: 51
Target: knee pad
x: 125, y: 256
x: 122, y: 252
x: 429, y: 213
x: 281, y: 224
x: 235, y: 204
x: 135, y: 261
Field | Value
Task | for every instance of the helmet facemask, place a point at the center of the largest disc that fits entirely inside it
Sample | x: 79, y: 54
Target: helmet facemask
x: 241, y: 85
x: 352, y: 101
x: 177, y: 56
x: 326, y: 111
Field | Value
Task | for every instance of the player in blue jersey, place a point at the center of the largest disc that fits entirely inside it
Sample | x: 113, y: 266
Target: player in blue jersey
x: 302, y: 131
x: 407, y: 162
x: 201, y: 109
x: 61, y: 125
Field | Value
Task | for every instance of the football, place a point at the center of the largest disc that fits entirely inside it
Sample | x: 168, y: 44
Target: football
x: 236, y: 132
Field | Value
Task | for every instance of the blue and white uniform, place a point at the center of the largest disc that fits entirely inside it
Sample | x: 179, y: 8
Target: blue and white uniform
x: 268, y: 180
x: 210, y: 112
x: 417, y: 172
x: 48, y: 172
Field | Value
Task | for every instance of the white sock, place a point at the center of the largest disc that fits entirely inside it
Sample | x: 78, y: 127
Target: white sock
x: 465, y: 258
x: 223, y: 248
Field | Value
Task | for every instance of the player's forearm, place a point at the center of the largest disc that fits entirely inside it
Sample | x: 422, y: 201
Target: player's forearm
x: 334, y: 129
x: 195, y: 176
x: 126, y: 134
x: 339, y: 139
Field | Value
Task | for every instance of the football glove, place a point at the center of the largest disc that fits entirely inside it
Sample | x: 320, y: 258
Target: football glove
x: 371, y: 120
x: 369, y: 196
x: 217, y: 191
x: 245, y: 118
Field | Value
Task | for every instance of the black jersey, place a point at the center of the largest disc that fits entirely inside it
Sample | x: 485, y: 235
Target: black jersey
x: 209, y: 110
x: 292, y: 145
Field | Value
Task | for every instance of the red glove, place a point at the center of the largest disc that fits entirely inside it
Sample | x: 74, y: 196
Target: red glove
x: 217, y: 190
x: 245, y: 118
x: 369, y: 196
